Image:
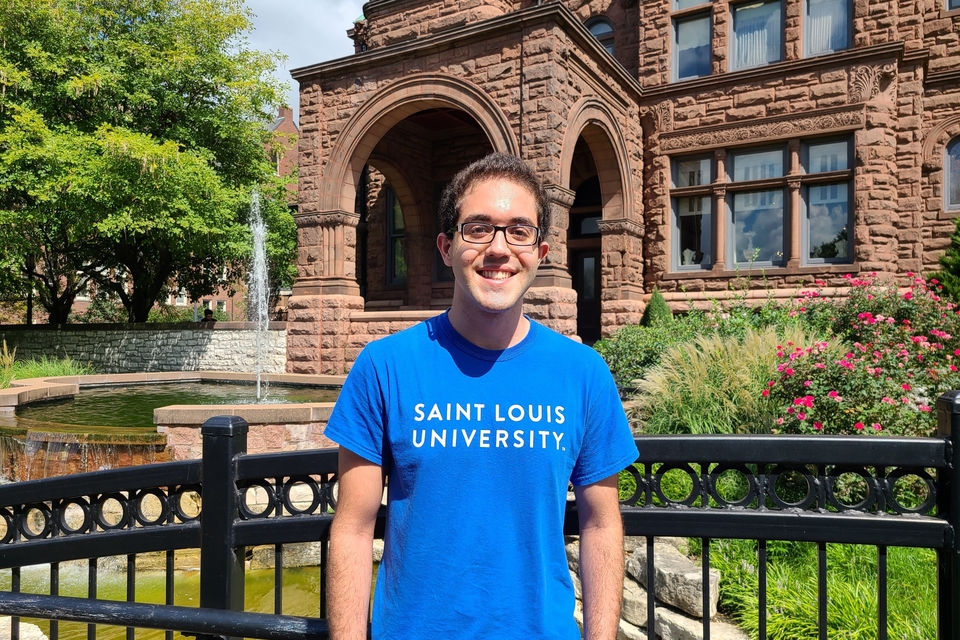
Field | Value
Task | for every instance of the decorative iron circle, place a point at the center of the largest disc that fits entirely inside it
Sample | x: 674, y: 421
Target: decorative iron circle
x: 330, y: 489
x: 314, y: 490
x: 44, y: 511
x: 868, y: 501
x: 124, y: 511
x: 896, y: 505
x: 10, y: 521
x: 62, y: 516
x: 177, y: 496
x: 141, y: 517
x: 694, y: 478
x: 753, y: 490
x: 771, y: 492
x: 245, y: 512
x: 641, y: 486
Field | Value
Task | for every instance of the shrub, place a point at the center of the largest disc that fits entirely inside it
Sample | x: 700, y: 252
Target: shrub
x: 6, y: 365
x: 708, y: 385
x: 657, y: 311
x: 634, y: 349
x: 44, y: 367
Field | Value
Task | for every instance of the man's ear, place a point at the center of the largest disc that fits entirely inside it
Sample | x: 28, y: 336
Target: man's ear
x: 544, y: 249
x: 443, y: 244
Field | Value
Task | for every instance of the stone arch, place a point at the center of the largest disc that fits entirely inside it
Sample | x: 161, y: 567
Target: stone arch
x: 592, y: 119
x: 936, y: 141
x: 389, y: 106
x: 400, y: 184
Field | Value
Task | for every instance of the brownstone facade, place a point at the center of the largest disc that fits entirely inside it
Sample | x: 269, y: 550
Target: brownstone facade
x: 684, y: 145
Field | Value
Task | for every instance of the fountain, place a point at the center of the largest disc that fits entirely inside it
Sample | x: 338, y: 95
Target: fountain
x: 259, y: 289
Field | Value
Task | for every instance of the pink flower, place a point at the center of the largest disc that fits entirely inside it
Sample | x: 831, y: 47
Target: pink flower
x: 908, y: 295
x: 807, y: 383
x: 779, y: 420
x: 770, y: 383
x: 924, y: 408
x: 765, y: 393
x: 788, y: 371
x: 905, y: 386
x: 818, y: 426
x: 876, y: 426
x: 801, y: 415
x: 790, y: 409
x: 858, y: 426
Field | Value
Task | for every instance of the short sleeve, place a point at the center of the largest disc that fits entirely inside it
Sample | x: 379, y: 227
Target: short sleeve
x: 357, y: 420
x: 608, y: 445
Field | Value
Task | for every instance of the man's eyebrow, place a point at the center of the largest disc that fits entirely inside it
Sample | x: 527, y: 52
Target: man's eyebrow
x: 483, y: 217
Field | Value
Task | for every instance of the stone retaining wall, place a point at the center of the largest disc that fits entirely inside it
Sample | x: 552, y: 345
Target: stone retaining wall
x: 123, y: 348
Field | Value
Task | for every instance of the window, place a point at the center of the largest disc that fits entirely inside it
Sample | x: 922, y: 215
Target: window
x: 180, y: 299
x: 602, y: 30
x: 694, y: 229
x: 953, y: 4
x: 827, y: 204
x: 827, y: 26
x: 691, y: 47
x: 757, y: 34
x: 758, y: 206
x: 951, y: 172
x: 396, y: 265
x: 756, y: 215
x: 221, y: 305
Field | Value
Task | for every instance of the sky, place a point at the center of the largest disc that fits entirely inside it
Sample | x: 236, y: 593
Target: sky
x: 306, y: 31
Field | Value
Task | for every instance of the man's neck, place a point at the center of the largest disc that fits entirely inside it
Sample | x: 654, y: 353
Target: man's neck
x: 487, y: 330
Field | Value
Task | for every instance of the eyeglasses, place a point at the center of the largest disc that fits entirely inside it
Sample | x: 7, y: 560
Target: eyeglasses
x: 521, y: 235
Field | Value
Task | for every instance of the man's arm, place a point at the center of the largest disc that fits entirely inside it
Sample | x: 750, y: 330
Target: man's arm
x: 351, y: 546
x: 601, y: 557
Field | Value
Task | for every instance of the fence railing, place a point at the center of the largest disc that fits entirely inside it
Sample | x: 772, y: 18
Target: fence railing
x: 795, y: 488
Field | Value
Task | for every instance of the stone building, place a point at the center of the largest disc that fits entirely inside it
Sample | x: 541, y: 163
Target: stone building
x: 685, y: 143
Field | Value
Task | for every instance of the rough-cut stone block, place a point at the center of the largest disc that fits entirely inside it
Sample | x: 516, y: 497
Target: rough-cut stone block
x: 677, y: 580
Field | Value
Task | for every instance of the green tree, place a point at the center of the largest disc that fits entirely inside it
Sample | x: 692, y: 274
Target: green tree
x: 131, y: 139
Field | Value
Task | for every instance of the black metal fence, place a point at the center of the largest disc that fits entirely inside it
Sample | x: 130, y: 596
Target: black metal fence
x: 787, y: 488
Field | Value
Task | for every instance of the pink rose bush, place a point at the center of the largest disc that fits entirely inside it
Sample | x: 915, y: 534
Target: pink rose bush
x: 889, y: 354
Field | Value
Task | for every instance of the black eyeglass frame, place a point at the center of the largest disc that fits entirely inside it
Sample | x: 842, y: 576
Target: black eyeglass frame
x: 506, y: 236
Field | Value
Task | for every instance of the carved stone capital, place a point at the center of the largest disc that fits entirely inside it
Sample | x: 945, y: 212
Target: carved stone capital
x: 661, y: 116
x: 328, y: 219
x: 777, y: 128
x: 560, y: 196
x: 869, y: 81
x: 620, y: 225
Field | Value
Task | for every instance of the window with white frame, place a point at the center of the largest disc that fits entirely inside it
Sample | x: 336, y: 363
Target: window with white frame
x: 827, y: 26
x: 755, y: 193
x: 396, y: 264
x: 602, y: 30
x: 691, y: 46
x: 951, y: 174
x: 757, y: 34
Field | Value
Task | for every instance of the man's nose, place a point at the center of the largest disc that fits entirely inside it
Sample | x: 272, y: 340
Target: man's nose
x: 498, y: 244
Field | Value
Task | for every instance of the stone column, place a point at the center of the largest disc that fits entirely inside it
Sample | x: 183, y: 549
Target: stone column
x: 622, y: 274
x: 793, y: 220
x: 720, y: 213
x: 552, y: 300
x: 326, y: 293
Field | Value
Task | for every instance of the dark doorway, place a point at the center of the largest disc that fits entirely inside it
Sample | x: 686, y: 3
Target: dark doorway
x: 585, y: 270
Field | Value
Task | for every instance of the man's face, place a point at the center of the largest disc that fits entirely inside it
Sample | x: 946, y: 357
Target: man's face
x: 493, y: 277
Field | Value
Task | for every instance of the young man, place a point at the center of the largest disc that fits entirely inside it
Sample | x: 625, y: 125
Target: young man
x: 479, y: 418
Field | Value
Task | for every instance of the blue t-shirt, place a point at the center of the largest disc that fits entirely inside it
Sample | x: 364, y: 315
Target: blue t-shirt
x: 479, y: 446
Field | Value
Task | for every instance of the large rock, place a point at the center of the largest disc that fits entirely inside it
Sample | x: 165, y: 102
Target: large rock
x: 627, y: 631
x: 27, y: 631
x: 672, y: 625
x: 677, y: 581
x: 633, y: 608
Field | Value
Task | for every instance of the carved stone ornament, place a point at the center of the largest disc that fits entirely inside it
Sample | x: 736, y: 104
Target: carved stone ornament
x: 328, y: 219
x: 620, y: 225
x: 662, y: 116
x: 773, y: 129
x: 869, y: 81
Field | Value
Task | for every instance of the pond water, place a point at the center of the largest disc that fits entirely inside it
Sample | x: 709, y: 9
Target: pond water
x: 133, y: 405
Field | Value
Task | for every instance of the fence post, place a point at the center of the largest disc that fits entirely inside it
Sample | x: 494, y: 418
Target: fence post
x: 221, y: 562
x: 948, y: 507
